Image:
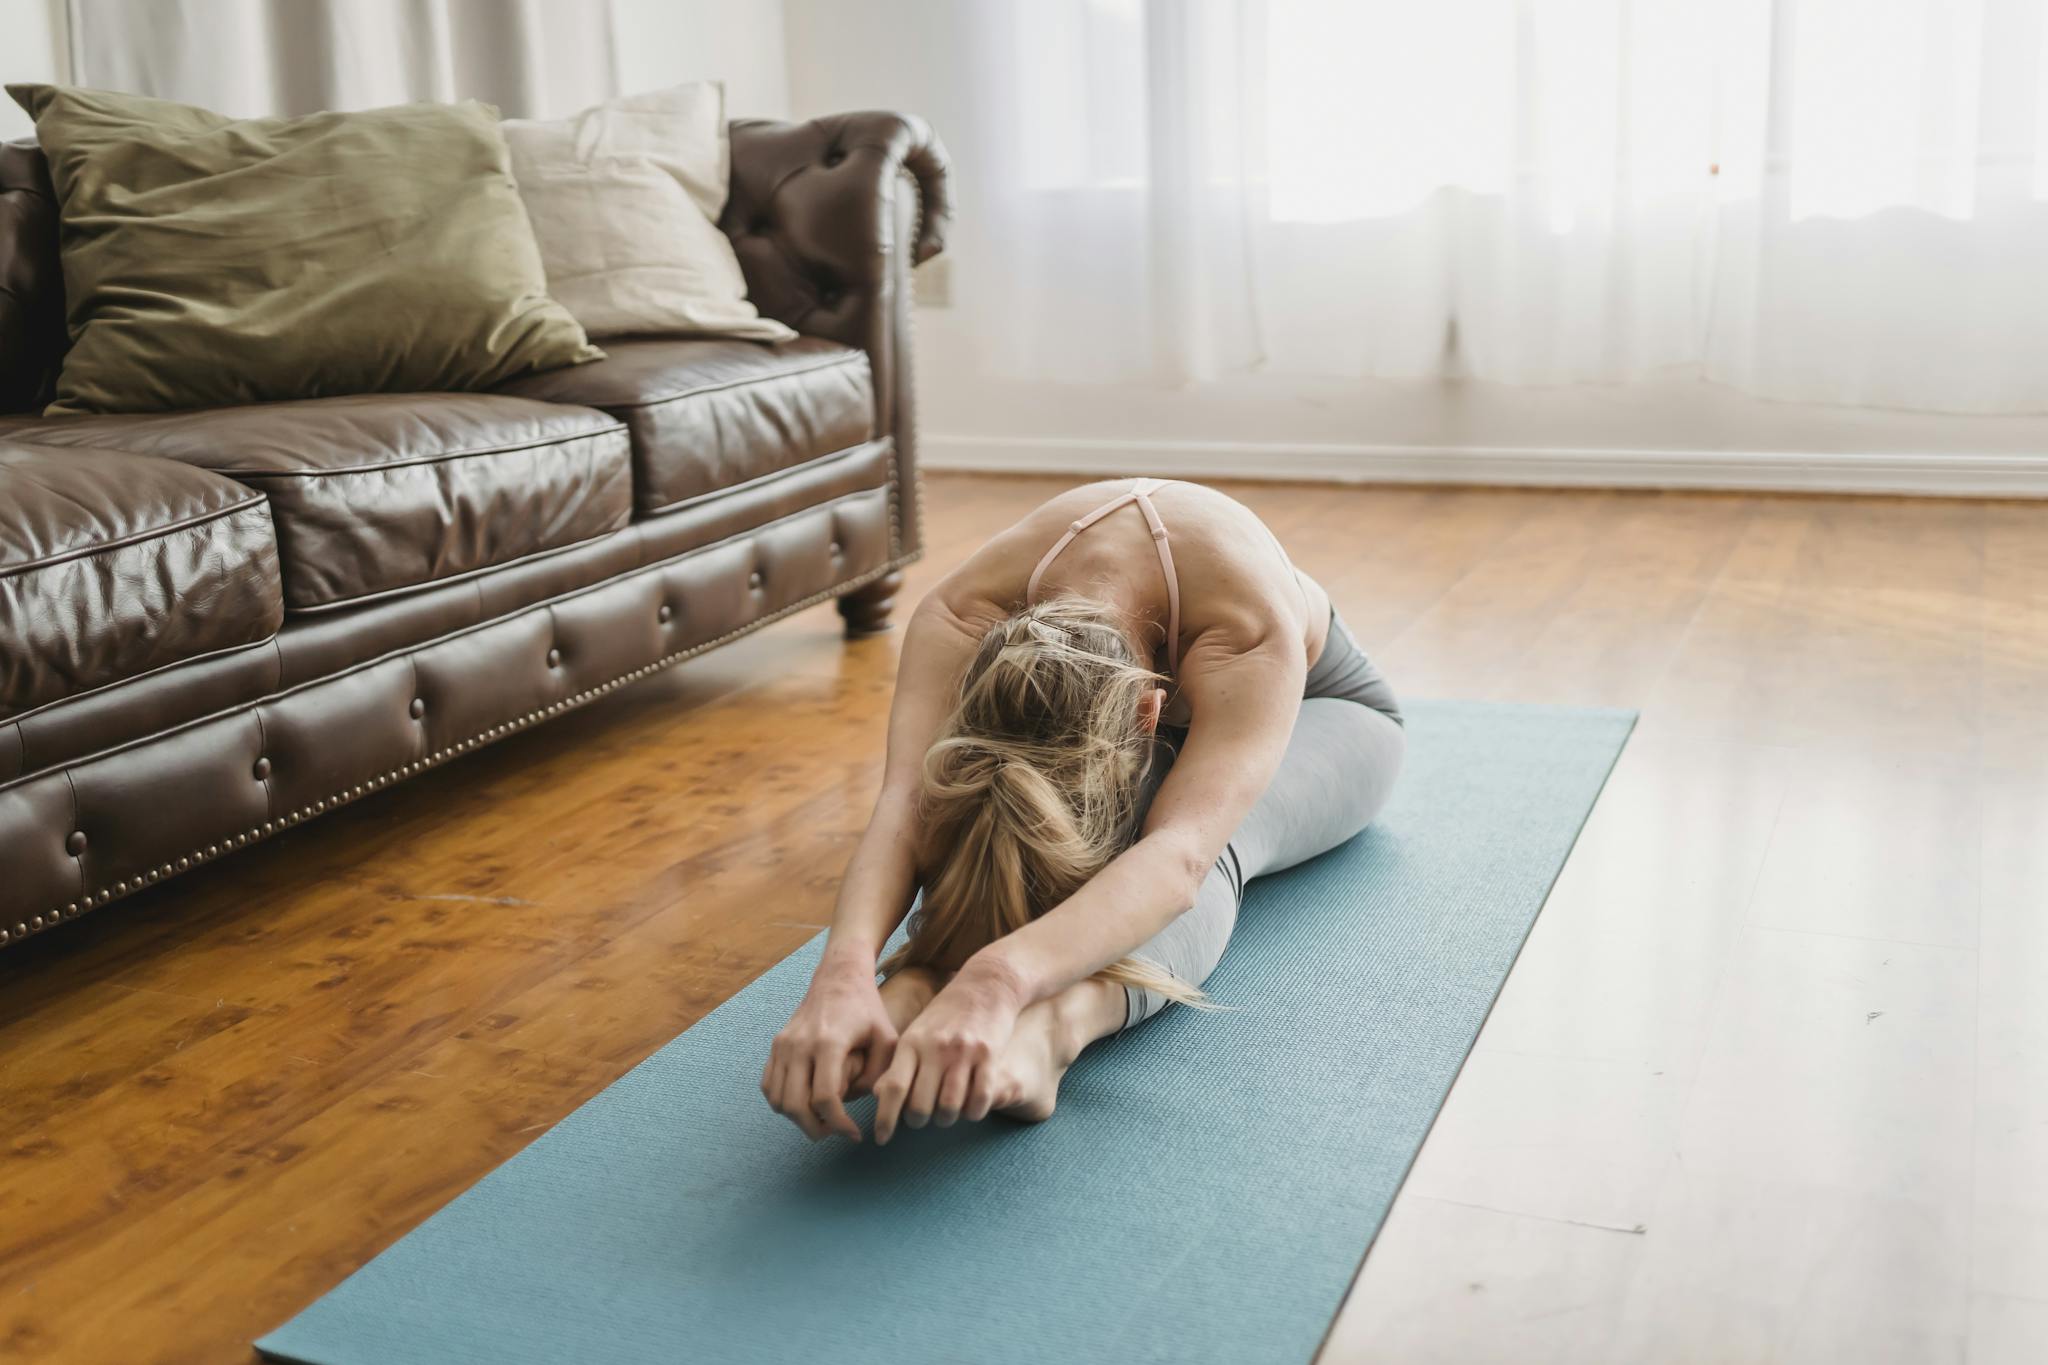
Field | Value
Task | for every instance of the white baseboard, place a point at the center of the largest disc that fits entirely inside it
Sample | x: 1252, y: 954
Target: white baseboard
x: 2010, y: 476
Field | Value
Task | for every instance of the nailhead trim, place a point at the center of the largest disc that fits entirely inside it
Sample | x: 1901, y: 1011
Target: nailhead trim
x: 299, y: 816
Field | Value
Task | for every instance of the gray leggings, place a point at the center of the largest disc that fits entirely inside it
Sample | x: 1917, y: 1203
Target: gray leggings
x: 1340, y: 766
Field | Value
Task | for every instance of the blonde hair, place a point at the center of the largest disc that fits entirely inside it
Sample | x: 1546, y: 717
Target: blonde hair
x: 1033, y: 785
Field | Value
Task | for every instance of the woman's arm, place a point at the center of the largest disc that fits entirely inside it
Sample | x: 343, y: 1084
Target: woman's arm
x: 1243, y: 707
x: 881, y: 877
x: 806, y: 1076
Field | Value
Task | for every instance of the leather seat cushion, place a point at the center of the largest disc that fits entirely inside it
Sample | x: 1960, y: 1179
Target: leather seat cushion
x: 383, y: 493
x: 707, y: 414
x: 112, y: 565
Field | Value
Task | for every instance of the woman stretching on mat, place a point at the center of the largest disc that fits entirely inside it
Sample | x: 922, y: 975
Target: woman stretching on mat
x: 1092, y: 748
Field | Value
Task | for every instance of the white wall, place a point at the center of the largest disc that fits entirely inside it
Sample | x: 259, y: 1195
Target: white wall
x: 667, y: 42
x: 1672, y: 434
x: 898, y: 54
x: 33, y: 50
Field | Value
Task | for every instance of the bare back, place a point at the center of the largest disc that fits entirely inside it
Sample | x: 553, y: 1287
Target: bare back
x: 1237, y: 589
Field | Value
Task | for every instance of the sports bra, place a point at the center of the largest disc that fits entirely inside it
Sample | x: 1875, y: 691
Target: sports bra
x: 1141, y: 495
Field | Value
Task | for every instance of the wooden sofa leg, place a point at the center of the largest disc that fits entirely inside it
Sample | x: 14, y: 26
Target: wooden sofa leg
x: 866, y: 609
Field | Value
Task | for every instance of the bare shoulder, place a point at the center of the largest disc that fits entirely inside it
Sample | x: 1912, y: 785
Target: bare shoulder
x: 988, y: 584
x: 1207, y: 514
x: 1204, y: 523
x: 1236, y: 579
x: 1236, y: 587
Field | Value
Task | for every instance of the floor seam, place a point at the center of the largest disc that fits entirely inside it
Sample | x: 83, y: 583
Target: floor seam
x: 1636, y: 1230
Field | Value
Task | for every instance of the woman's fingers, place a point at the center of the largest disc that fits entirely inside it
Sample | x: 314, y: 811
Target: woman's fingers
x: 926, y: 1084
x: 953, y: 1093
x: 796, y: 1098
x: 981, y: 1095
x: 828, y: 1089
x: 880, y: 1052
x: 924, y: 1092
x: 891, y: 1091
x: 799, y: 1085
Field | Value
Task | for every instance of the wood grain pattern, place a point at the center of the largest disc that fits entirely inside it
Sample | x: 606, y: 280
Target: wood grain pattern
x: 223, y: 1095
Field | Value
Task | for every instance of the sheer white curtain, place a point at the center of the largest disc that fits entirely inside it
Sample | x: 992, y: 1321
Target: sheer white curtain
x: 248, y: 58
x: 1821, y: 200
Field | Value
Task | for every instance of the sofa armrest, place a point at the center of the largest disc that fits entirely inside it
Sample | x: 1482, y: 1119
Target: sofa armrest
x: 827, y: 218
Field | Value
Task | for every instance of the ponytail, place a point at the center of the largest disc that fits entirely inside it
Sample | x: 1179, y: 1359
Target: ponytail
x: 1033, y: 786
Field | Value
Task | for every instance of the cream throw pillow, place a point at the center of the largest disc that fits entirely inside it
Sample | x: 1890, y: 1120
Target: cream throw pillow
x: 625, y: 200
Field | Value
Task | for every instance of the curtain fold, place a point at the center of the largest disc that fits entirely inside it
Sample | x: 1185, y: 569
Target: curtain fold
x: 250, y: 58
x: 1839, y: 201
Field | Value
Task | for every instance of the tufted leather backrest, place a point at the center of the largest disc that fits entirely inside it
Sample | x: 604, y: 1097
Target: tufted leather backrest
x: 827, y: 217
x: 810, y: 203
x: 31, y: 282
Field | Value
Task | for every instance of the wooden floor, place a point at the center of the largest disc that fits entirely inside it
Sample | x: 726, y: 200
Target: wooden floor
x: 1769, y: 1083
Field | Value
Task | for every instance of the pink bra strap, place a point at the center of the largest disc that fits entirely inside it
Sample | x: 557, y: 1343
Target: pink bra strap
x: 1139, y: 494
x: 1031, y: 588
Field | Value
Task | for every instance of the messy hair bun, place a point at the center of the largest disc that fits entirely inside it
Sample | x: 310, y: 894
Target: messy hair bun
x: 1033, y: 784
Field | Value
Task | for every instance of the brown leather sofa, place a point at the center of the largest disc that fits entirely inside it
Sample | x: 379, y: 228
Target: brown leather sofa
x: 215, y: 625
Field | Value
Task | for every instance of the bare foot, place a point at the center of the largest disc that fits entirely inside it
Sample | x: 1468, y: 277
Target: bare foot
x: 1028, y: 1081
x: 1049, y: 1036
x: 906, y: 994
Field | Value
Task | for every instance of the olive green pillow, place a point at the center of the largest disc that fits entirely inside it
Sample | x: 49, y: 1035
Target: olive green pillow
x: 212, y: 261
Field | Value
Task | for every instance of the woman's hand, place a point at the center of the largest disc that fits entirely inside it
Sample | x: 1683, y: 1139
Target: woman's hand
x: 945, y: 1062
x: 837, y: 1043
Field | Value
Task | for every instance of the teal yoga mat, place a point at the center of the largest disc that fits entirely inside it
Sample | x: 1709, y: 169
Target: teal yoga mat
x: 1205, y: 1192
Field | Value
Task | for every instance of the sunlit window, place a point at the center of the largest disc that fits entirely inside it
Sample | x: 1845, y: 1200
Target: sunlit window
x: 1082, y: 74
x: 1373, y: 106
x: 1884, y: 100
x: 1341, y: 110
